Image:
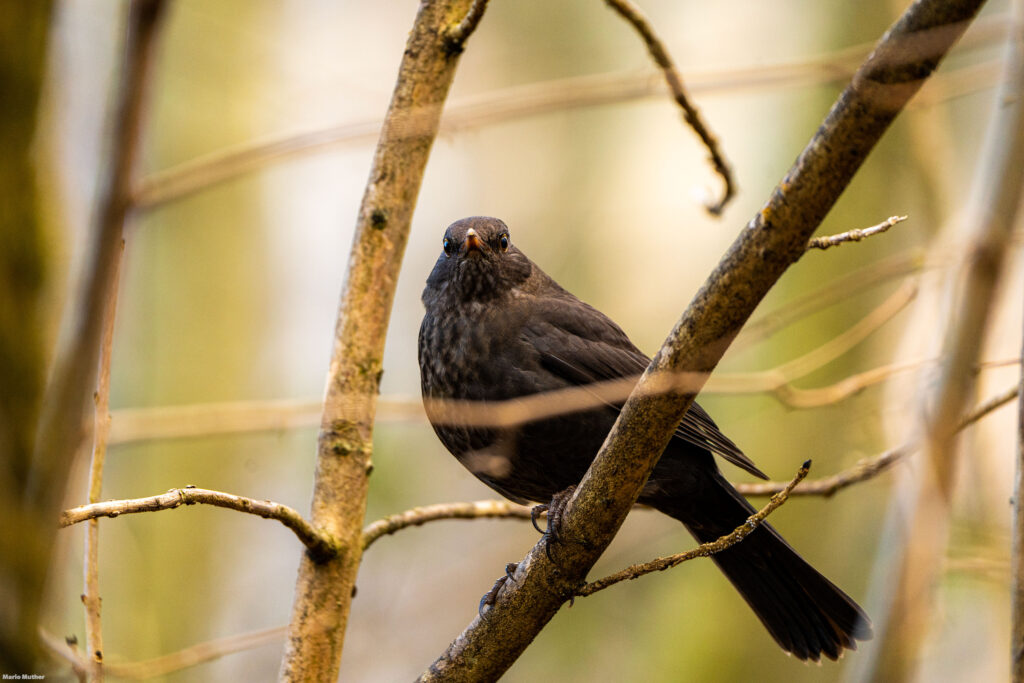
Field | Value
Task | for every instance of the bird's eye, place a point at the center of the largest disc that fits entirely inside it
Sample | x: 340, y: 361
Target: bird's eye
x: 447, y: 245
x: 503, y: 242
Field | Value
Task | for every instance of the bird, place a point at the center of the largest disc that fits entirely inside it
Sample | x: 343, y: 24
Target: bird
x: 496, y: 327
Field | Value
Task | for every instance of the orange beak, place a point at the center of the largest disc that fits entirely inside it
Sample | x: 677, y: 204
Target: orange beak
x: 473, y: 242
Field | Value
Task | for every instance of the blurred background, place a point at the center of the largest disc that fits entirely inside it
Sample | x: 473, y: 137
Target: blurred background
x: 229, y: 291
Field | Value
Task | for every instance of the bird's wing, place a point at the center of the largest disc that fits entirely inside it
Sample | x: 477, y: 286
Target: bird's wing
x: 581, y: 345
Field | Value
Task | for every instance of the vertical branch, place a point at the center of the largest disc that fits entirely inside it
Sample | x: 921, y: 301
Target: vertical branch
x: 60, y: 427
x: 324, y: 589
x: 1017, y: 549
x: 1016, y: 73
x: 91, y: 594
x: 24, y: 273
x: 994, y: 211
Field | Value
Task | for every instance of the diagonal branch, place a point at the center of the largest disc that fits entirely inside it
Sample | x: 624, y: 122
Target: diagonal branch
x: 319, y: 542
x: 869, y: 468
x: 776, y: 237
x: 659, y: 53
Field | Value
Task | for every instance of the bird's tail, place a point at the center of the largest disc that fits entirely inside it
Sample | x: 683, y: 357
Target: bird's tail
x: 807, y: 614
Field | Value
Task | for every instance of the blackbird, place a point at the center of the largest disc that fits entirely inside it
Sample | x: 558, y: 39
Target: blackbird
x: 497, y: 328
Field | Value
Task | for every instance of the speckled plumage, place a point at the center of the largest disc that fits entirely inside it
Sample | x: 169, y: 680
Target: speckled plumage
x: 497, y: 328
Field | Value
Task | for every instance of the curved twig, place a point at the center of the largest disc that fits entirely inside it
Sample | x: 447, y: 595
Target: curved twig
x: 870, y: 467
x: 416, y: 516
x: 659, y: 53
x: 319, y: 543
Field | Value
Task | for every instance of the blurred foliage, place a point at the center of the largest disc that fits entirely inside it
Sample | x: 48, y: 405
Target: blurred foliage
x: 230, y: 294
x: 27, y: 538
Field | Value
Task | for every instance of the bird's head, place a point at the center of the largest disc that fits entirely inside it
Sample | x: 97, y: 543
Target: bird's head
x: 478, y: 262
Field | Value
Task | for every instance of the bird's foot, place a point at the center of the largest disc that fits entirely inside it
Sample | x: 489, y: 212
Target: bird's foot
x: 491, y: 596
x: 555, y: 510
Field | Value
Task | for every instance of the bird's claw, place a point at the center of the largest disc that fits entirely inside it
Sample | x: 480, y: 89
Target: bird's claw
x: 491, y: 596
x: 555, y: 509
x: 536, y: 512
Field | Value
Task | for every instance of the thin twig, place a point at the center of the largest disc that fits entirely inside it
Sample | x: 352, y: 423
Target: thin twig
x: 61, y: 648
x: 91, y: 594
x: 863, y: 470
x: 534, y: 99
x: 195, y: 654
x: 631, y: 13
x: 835, y: 291
x: 704, y: 549
x: 319, y: 543
x: 846, y: 340
x: 868, y: 468
x: 416, y: 516
x: 795, y: 397
x: 853, y: 235
x: 205, y: 419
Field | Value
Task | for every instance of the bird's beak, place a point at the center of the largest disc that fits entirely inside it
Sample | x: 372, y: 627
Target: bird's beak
x: 473, y: 242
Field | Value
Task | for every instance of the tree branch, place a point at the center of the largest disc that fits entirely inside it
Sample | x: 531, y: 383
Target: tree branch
x: 319, y: 542
x: 195, y: 654
x: 924, y: 509
x: 415, y: 517
x: 704, y: 549
x: 868, y: 468
x: 854, y: 235
x: 659, y: 53
x: 91, y: 552
x: 324, y: 589
x: 57, y: 422
x: 772, y: 241
x: 557, y: 95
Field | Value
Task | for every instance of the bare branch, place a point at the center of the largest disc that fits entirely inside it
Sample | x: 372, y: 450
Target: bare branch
x: 57, y: 427
x: 195, y: 654
x: 539, y: 98
x: 771, y: 242
x: 62, y: 649
x: 101, y: 432
x: 323, y: 591
x: 865, y: 469
x: 816, y: 397
x: 868, y: 468
x: 206, y: 419
x: 859, y: 281
x: 922, y: 536
x: 659, y: 53
x: 416, y: 516
x: 704, y: 549
x: 854, y: 235
x: 319, y: 542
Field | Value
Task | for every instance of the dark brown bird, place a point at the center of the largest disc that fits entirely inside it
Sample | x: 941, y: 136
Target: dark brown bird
x: 497, y: 328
